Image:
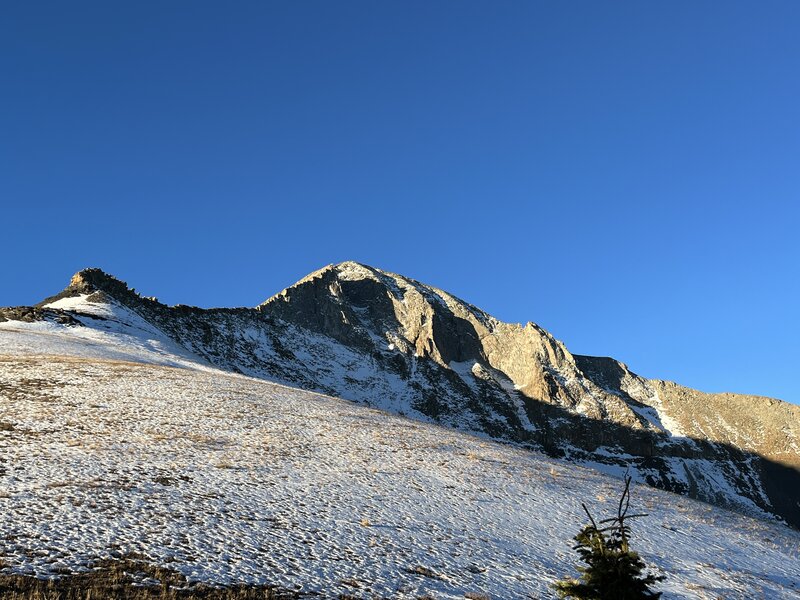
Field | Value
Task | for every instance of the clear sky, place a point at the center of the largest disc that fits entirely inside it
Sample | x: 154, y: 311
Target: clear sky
x: 625, y: 174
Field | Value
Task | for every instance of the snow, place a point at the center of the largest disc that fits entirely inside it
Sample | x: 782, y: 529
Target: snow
x: 650, y: 414
x: 232, y: 479
x: 110, y: 331
x: 298, y: 357
x: 465, y: 370
x: 667, y: 423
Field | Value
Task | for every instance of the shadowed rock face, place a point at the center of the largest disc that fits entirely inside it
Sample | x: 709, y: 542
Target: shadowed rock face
x: 379, y: 338
x: 763, y: 426
x: 364, y: 307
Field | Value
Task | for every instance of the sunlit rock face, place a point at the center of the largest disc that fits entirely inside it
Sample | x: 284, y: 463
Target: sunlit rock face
x: 391, y: 342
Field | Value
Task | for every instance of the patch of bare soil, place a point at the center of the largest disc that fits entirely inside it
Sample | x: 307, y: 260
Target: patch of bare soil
x: 129, y: 579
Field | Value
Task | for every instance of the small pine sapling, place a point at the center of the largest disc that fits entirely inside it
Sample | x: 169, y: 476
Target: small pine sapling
x: 613, y: 571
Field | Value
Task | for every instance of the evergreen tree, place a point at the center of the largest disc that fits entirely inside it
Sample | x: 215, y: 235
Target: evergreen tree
x: 613, y: 571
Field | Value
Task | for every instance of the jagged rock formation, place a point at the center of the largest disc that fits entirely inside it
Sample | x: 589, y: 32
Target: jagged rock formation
x: 385, y: 340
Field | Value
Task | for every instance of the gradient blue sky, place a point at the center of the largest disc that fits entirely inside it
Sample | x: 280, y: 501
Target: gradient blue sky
x: 625, y: 174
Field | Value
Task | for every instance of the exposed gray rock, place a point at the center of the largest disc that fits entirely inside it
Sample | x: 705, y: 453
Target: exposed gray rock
x: 31, y: 314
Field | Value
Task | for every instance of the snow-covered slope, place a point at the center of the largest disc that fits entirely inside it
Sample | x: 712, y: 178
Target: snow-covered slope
x: 229, y: 478
x: 390, y: 342
x: 96, y: 329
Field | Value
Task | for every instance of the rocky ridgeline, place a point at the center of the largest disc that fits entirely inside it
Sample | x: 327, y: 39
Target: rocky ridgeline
x: 362, y: 334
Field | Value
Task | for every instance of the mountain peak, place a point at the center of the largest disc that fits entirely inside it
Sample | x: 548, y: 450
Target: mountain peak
x: 92, y: 280
x: 355, y: 270
x: 351, y: 265
x: 348, y: 270
x: 367, y: 308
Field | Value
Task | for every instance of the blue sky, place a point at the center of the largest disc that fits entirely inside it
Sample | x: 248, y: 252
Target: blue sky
x: 623, y: 173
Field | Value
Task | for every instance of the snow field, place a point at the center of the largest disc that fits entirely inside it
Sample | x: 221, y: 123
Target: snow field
x: 110, y: 331
x: 231, y: 479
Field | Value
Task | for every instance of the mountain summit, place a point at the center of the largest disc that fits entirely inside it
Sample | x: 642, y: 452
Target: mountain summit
x: 391, y: 342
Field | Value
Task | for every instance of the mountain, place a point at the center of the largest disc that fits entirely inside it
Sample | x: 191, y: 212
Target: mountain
x: 390, y: 342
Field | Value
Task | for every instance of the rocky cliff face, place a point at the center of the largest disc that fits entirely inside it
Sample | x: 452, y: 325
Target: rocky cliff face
x: 388, y: 341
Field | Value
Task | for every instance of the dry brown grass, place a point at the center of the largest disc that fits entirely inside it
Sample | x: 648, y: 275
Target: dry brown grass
x: 114, y: 579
